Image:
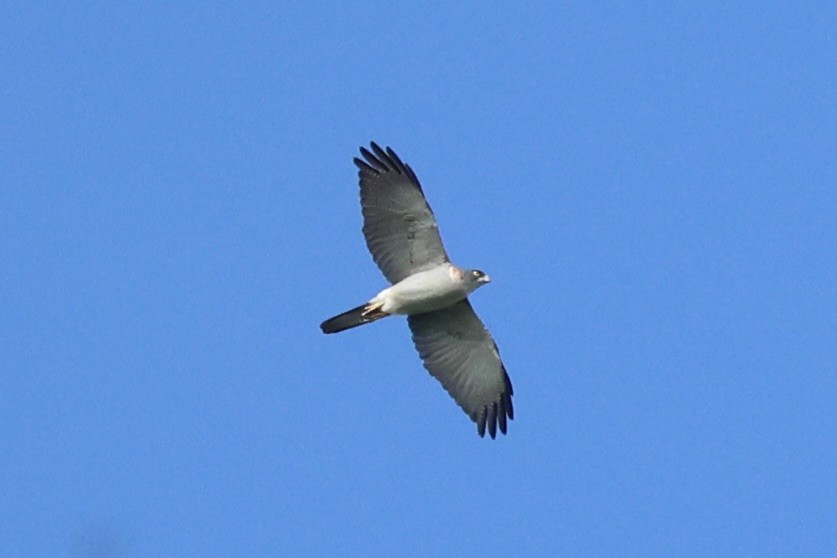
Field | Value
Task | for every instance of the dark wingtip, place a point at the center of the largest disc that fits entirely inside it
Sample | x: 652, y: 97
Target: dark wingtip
x: 371, y: 160
x: 495, y: 416
x: 501, y: 416
x: 394, y: 158
x: 375, y: 147
x: 381, y: 159
x: 363, y: 166
x: 506, y: 397
x: 378, y: 151
x: 492, y: 420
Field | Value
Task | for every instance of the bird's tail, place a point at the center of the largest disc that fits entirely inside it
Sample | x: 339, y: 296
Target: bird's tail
x: 363, y: 314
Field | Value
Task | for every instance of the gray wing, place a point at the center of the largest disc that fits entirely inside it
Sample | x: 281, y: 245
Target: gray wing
x: 460, y: 353
x: 399, y: 226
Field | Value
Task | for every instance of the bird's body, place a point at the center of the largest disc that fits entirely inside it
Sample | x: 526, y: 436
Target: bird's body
x: 429, y: 290
x: 403, y: 237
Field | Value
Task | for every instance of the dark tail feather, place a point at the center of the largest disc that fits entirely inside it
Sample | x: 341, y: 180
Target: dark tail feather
x: 355, y: 317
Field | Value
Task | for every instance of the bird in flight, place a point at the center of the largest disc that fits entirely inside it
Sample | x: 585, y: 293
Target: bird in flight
x: 403, y: 238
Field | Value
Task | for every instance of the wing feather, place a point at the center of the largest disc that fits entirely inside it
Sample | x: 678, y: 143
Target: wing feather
x: 398, y: 224
x: 459, y: 351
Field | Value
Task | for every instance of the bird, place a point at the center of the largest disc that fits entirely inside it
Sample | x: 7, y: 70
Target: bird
x: 403, y: 237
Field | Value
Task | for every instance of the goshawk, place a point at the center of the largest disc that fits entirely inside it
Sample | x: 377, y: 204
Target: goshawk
x: 403, y: 237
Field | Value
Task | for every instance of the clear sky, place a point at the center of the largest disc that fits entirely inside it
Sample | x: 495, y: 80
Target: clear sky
x: 651, y: 187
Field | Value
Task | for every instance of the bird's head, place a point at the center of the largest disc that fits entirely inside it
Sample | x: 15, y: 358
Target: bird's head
x: 474, y: 279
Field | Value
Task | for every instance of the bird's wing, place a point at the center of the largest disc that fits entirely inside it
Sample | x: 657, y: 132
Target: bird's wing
x: 399, y: 226
x: 460, y: 353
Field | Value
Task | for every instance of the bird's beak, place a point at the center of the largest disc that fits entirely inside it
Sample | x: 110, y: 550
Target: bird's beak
x: 485, y: 279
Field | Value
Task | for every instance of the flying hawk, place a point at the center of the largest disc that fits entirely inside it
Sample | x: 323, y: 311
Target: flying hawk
x: 403, y: 237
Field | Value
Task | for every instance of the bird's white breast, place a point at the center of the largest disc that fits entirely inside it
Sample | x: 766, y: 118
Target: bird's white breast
x: 423, y: 292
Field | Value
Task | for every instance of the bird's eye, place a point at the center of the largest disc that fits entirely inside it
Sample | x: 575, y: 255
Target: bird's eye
x: 475, y: 273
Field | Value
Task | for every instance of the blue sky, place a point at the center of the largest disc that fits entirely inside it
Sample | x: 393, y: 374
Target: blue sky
x: 651, y: 188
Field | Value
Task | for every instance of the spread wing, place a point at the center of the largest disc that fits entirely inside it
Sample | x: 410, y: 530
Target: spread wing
x: 399, y: 226
x: 460, y: 353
